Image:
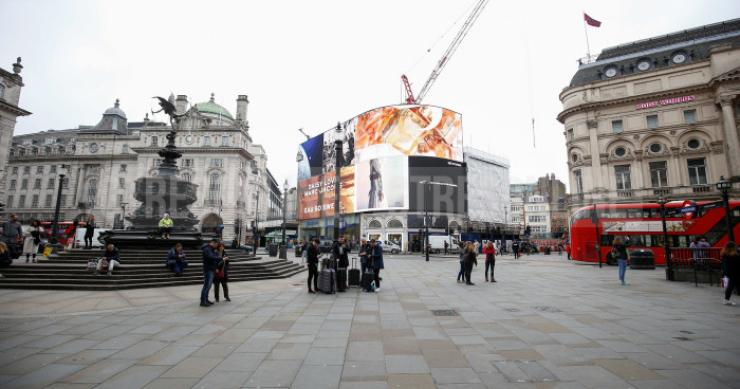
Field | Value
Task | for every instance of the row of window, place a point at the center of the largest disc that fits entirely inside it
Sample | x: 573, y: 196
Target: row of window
x: 52, y: 169
x: 697, y: 171
x: 651, y: 122
x: 189, y: 139
x: 50, y: 183
x: 34, y: 201
x: 537, y: 218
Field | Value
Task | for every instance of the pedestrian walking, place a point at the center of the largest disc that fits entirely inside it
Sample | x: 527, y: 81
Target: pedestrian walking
x: 165, y: 226
x: 470, y: 259
x: 211, y: 260
x: 32, y: 240
x: 89, y: 231
x: 461, y: 257
x: 730, y: 270
x: 619, y: 251
x: 312, y: 258
x: 490, y: 252
x: 221, y: 277
x: 377, y: 262
x: 177, y: 261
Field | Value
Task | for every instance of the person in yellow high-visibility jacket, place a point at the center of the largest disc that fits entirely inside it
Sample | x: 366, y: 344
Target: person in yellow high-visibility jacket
x: 165, y: 226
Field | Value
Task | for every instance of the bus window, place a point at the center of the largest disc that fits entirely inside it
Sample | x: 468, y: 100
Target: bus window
x: 648, y: 213
x: 606, y: 240
x: 583, y: 214
x: 634, y: 213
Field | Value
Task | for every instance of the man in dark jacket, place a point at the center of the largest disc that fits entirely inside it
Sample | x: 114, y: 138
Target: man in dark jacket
x: 112, y: 257
x: 211, y: 258
x: 312, y: 258
x: 377, y: 260
x: 340, y: 253
x: 13, y: 236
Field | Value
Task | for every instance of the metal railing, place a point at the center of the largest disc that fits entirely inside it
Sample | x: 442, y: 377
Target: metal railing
x: 704, y: 259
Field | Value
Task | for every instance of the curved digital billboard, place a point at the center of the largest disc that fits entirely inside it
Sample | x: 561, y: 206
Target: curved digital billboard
x: 377, y: 145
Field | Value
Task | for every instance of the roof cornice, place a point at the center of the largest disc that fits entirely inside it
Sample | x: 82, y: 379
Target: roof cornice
x: 13, y: 108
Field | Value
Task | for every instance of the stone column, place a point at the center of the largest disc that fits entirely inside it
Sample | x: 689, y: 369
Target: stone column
x: 593, y: 133
x: 732, y: 150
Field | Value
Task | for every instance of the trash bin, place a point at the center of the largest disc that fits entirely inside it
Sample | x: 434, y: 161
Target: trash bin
x: 547, y: 250
x: 272, y: 250
x: 642, y: 259
x: 283, y: 250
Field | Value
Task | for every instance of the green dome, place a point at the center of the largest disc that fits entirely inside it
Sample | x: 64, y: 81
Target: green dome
x: 211, y: 107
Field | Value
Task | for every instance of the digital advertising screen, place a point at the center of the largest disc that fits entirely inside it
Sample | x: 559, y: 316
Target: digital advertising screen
x: 380, y: 170
x: 445, y: 182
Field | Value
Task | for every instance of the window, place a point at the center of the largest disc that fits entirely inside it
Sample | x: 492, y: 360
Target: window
x: 26, y: 170
x: 537, y: 218
x: 2, y: 90
x: 206, y: 141
x: 188, y: 162
x: 124, y: 148
x: 187, y: 177
x: 53, y: 169
x: 47, y: 201
x: 37, y: 183
x: 92, y: 192
x: 121, y: 183
x: 622, y: 173
x: 214, y: 188
x: 35, y: 201
x: 658, y: 174
x: 697, y: 171
x: 656, y: 148
x: 123, y: 168
x: 574, y: 157
x: 12, y: 184
x: 50, y: 183
x: 217, y: 162
x: 579, y: 181
x: 21, y: 201
x: 620, y: 151
x: 570, y: 134
x: 24, y: 184
x: 617, y: 126
x: 15, y: 169
x: 39, y: 170
x: 119, y: 200
x: 155, y: 141
x: 10, y: 201
x: 63, y: 200
x: 65, y: 183
x: 652, y: 121
x: 224, y: 140
x: 693, y: 144
x: 689, y: 116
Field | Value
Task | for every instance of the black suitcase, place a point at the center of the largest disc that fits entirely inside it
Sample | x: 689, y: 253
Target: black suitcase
x: 341, y: 279
x: 368, y: 279
x: 354, y: 274
x: 327, y: 281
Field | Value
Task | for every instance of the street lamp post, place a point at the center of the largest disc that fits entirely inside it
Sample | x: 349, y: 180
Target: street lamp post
x: 724, y: 186
x: 666, y: 245
x: 597, y: 245
x: 284, y: 248
x: 255, y: 226
x: 55, y: 224
x: 337, y: 177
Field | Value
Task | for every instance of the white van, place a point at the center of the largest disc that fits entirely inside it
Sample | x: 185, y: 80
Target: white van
x: 390, y: 247
x: 80, y: 237
x: 437, y: 243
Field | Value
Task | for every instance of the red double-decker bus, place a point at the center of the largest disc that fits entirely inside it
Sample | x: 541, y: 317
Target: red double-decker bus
x: 640, y: 224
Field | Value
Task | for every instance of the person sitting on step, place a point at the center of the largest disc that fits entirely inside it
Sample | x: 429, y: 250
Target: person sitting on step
x: 165, y: 226
x: 177, y: 261
x: 111, y: 258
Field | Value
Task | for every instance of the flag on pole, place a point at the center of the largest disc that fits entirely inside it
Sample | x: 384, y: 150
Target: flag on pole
x: 591, y: 21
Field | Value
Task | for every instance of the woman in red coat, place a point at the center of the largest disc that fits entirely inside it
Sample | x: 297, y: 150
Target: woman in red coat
x: 490, y: 252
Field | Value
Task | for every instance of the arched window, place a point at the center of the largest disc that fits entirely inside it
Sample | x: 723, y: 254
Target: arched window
x: 92, y: 192
x: 187, y: 177
x: 374, y: 224
x: 394, y: 223
x: 214, y: 188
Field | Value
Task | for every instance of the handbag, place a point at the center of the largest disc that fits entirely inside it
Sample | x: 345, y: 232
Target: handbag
x: 221, y: 273
x: 103, y: 263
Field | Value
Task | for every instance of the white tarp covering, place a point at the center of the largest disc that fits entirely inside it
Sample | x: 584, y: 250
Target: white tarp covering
x: 488, y: 186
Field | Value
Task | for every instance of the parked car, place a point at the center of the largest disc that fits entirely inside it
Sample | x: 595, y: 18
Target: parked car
x: 391, y: 247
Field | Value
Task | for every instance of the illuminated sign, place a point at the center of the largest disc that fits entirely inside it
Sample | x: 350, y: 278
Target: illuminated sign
x: 663, y: 102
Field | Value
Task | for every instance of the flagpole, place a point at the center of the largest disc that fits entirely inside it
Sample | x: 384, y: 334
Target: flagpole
x: 588, y: 47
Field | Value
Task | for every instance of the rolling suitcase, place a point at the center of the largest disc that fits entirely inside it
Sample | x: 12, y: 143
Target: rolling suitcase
x: 341, y: 279
x: 327, y: 277
x: 354, y: 274
x: 368, y: 280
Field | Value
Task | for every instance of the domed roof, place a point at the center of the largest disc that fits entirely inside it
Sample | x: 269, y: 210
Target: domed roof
x: 211, y: 107
x: 115, y: 110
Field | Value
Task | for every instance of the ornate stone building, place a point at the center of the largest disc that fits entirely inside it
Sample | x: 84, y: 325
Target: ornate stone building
x: 102, y: 162
x: 655, y: 118
x: 10, y: 94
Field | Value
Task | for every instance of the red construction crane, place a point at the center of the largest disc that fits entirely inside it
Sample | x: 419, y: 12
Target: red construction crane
x: 445, y: 57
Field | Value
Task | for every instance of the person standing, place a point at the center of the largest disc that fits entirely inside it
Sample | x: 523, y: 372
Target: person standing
x: 490, y: 252
x: 340, y: 253
x: 619, y: 251
x: 461, y: 255
x: 165, y: 226
x: 447, y: 245
x: 32, y: 241
x: 89, y: 231
x: 221, y: 277
x: 365, y: 251
x: 730, y: 270
x: 5, y: 260
x: 312, y: 258
x: 470, y: 260
x: 13, y: 235
x: 377, y: 260
x: 210, y: 262
x: 515, y: 249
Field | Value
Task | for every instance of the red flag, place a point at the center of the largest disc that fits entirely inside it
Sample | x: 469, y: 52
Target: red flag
x: 591, y: 21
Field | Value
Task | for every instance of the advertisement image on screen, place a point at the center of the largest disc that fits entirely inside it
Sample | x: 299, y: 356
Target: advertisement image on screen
x: 329, y: 154
x: 316, y: 194
x: 310, y: 163
x: 412, y: 130
x: 381, y: 181
x: 445, y: 186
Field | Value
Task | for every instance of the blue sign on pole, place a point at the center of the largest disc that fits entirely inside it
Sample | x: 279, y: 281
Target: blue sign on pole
x: 688, y: 209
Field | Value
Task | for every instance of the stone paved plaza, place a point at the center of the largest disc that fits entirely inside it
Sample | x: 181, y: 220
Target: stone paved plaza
x: 547, y: 323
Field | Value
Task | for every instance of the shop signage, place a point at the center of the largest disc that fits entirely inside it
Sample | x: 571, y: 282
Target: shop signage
x: 668, y: 101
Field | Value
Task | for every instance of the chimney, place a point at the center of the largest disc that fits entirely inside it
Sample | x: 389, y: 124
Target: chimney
x: 241, y: 108
x: 181, y: 104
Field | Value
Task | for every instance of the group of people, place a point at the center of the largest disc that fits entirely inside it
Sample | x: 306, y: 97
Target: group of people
x: 469, y: 258
x: 17, y: 242
x: 371, y: 260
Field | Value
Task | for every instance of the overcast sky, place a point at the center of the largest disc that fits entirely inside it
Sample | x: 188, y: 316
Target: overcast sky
x: 311, y: 63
